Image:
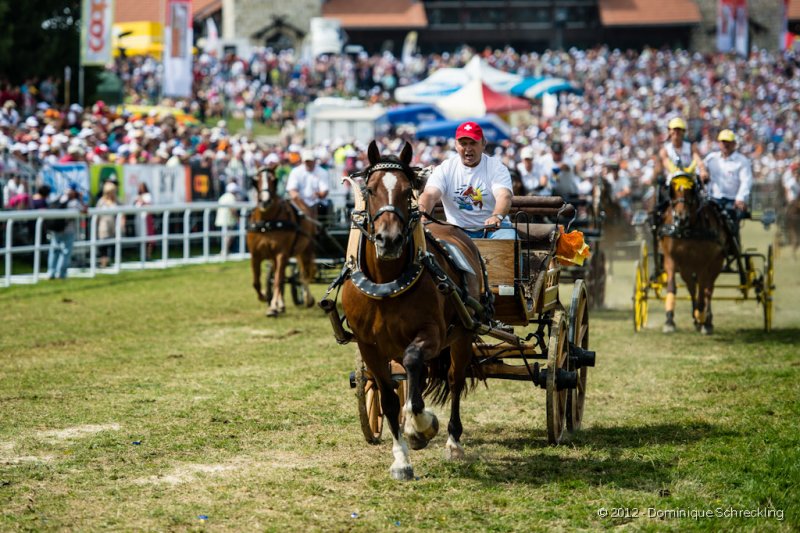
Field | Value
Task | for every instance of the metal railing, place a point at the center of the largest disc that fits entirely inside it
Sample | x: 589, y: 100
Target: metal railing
x: 185, y: 234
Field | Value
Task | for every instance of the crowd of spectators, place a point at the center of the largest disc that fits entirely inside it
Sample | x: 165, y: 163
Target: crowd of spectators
x: 618, y: 123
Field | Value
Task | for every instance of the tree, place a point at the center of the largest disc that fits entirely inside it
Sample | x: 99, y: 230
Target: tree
x: 39, y: 38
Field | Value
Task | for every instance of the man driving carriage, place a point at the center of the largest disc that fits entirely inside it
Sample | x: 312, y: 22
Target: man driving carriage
x: 308, y: 185
x: 474, y: 188
x: 729, y: 180
x: 679, y: 155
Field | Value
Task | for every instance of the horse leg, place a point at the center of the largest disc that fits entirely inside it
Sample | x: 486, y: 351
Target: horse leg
x: 669, y: 301
x: 276, y: 304
x: 705, y: 318
x: 421, y: 424
x: 694, y: 289
x: 401, y: 468
x: 255, y: 267
x: 460, y: 354
x: 307, y: 273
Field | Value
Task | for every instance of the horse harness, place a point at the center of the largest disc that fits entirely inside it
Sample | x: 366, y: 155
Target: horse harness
x: 281, y: 224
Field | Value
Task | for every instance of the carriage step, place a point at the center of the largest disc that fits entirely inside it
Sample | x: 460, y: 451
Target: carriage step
x: 580, y: 357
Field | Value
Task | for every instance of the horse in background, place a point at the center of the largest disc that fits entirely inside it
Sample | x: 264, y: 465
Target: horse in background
x: 398, y: 310
x: 694, y: 240
x: 278, y: 231
x: 792, y: 225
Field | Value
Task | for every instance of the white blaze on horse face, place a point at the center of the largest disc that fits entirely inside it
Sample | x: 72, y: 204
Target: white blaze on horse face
x: 264, y: 195
x: 389, y: 183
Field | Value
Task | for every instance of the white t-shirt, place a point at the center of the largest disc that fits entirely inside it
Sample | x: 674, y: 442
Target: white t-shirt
x: 729, y: 177
x: 307, y: 184
x: 530, y: 178
x: 468, y: 193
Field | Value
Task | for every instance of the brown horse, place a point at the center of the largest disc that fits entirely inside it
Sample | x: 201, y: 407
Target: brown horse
x: 694, y: 240
x: 278, y: 231
x: 397, y: 307
x: 792, y: 226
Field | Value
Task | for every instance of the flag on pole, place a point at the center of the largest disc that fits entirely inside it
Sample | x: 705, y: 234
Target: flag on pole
x: 742, y: 29
x: 97, y: 18
x: 178, y: 49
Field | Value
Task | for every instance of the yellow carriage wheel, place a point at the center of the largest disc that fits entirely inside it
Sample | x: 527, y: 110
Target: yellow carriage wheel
x: 639, y: 299
x: 769, y: 286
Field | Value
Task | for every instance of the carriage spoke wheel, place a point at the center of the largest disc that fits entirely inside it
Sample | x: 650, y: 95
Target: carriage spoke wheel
x: 769, y: 286
x: 557, y: 357
x: 578, y: 336
x: 597, y: 298
x: 639, y: 298
x: 369, y: 403
x: 368, y: 396
x: 296, y: 285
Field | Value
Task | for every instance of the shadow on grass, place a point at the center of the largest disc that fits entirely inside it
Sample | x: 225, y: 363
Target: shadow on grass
x: 603, y: 463
x: 759, y: 336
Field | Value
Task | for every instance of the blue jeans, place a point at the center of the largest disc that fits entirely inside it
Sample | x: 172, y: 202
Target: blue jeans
x: 60, y: 254
x: 505, y: 232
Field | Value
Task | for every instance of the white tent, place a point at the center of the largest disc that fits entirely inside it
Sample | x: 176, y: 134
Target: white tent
x: 497, y: 80
x: 476, y: 99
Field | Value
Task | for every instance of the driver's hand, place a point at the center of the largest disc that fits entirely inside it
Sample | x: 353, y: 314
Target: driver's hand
x: 738, y: 204
x: 492, y: 221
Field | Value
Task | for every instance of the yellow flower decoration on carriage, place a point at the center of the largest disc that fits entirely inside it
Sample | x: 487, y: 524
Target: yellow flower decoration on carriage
x: 571, y: 248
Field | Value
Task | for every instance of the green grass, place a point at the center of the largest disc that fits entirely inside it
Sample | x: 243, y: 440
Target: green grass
x: 251, y: 422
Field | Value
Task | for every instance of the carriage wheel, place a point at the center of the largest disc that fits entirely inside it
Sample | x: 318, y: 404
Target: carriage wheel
x: 368, y: 396
x: 369, y: 403
x: 578, y: 336
x: 557, y: 357
x: 597, y: 291
x: 639, y: 300
x: 769, y: 286
x: 296, y: 285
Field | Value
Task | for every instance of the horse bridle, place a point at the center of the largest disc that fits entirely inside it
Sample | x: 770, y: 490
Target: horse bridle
x: 365, y: 222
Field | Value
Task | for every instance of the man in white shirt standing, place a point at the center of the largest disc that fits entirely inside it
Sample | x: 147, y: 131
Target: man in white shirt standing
x: 475, y: 189
x: 730, y: 178
x: 308, y: 183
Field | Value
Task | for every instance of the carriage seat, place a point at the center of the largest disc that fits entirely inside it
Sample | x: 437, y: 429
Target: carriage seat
x: 536, y: 236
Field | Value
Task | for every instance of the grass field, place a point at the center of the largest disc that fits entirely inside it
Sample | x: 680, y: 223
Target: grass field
x: 150, y: 400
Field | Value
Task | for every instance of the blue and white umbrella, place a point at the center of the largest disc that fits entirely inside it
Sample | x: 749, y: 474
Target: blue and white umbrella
x: 533, y: 88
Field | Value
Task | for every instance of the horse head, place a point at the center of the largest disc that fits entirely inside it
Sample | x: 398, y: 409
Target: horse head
x: 266, y: 185
x: 684, y: 199
x: 391, y: 212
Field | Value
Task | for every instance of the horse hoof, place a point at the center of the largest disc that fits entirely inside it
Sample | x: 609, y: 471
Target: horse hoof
x: 416, y: 441
x: 706, y: 330
x: 310, y: 302
x: 453, y: 452
x: 272, y: 313
x: 404, y: 473
x: 668, y: 328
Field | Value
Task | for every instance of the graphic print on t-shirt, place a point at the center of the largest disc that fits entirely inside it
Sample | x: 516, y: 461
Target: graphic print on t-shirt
x: 469, y: 198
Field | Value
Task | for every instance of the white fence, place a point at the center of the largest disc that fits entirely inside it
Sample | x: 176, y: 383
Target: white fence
x: 184, y: 235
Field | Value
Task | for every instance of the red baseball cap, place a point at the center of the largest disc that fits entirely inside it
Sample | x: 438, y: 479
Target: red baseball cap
x: 471, y: 130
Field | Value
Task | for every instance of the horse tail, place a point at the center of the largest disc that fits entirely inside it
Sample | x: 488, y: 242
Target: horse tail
x: 437, y: 390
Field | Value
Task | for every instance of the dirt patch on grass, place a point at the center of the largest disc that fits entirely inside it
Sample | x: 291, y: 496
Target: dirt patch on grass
x: 7, y: 456
x: 76, y: 432
x: 184, y: 474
